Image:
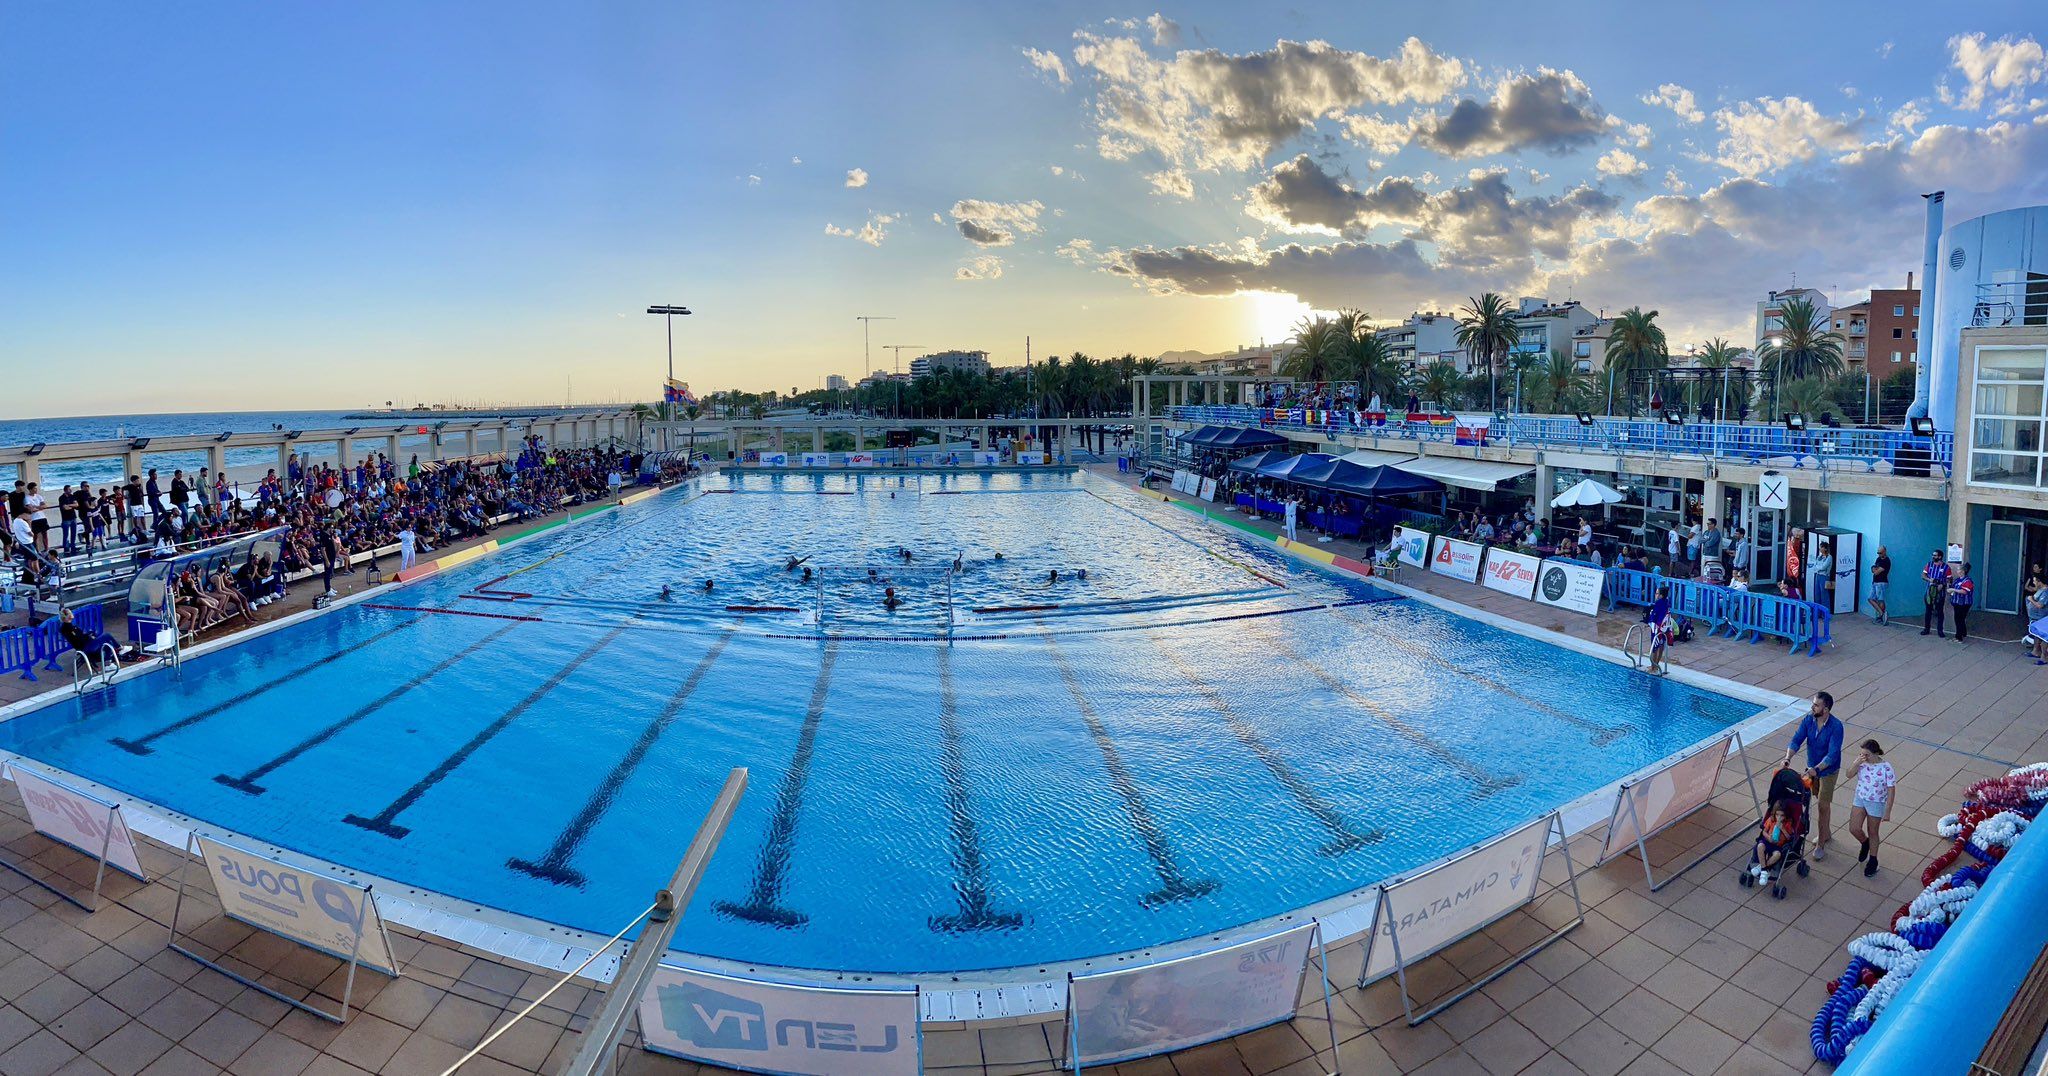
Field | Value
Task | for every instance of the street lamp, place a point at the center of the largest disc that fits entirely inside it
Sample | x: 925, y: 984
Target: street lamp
x: 668, y: 314
x: 867, y: 366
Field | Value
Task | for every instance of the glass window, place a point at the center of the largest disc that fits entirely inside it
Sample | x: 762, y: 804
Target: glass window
x: 2014, y: 401
x: 1896, y: 356
x: 2004, y: 469
x: 2007, y: 435
x: 2011, y: 364
x: 1898, y: 311
x: 1583, y: 349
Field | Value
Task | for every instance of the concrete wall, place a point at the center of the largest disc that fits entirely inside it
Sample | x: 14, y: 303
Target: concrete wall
x: 1908, y: 528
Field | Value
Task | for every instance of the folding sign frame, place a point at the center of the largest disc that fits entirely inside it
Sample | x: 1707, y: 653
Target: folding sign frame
x: 1624, y: 801
x: 114, y: 818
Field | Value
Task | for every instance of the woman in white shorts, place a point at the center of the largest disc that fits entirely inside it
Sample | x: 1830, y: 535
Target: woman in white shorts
x: 1874, y: 783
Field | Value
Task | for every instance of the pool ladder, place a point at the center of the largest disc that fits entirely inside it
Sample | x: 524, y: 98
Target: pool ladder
x: 94, y: 672
x: 1636, y: 658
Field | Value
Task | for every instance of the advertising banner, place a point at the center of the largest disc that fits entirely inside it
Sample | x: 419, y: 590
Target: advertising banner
x: 312, y: 909
x: 1412, y: 546
x: 86, y: 823
x: 775, y: 1027
x: 988, y: 459
x: 1472, y: 429
x: 1455, y: 899
x: 1153, y: 1009
x: 1030, y: 459
x: 817, y: 459
x: 774, y: 459
x: 1208, y: 490
x: 1510, y: 572
x: 860, y: 459
x: 1457, y: 559
x: 1663, y: 797
x: 1569, y: 586
x: 1180, y: 479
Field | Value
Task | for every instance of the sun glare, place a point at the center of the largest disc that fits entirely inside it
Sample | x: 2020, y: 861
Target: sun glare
x: 1271, y: 316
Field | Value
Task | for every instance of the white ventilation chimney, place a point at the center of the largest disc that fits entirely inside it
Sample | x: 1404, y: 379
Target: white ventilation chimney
x: 1923, y: 354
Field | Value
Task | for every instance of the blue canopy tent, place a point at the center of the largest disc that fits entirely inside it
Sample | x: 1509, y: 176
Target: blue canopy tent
x: 1285, y: 469
x: 1201, y: 436
x: 1348, y: 477
x: 1244, y: 437
x: 1250, y: 464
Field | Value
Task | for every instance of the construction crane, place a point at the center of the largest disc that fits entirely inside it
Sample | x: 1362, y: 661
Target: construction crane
x: 896, y: 410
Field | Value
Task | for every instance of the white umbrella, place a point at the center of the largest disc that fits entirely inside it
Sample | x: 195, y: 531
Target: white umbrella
x: 1586, y: 494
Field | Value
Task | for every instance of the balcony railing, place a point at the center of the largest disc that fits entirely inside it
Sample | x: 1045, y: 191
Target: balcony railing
x: 1814, y: 448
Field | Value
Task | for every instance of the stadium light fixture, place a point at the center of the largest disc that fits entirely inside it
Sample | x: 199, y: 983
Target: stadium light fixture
x: 1795, y: 421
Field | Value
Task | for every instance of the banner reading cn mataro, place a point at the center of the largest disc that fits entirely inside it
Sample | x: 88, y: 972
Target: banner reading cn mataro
x: 1449, y: 901
x: 781, y: 1028
x: 312, y: 909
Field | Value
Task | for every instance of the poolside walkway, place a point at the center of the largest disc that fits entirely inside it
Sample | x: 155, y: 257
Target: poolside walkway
x: 1703, y: 977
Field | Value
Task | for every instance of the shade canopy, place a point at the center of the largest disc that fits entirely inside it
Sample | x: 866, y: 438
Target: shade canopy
x: 1200, y: 435
x: 1285, y: 468
x: 1482, y: 475
x: 1256, y: 460
x: 1379, y: 481
x: 1244, y: 437
x: 1375, y: 457
x: 1588, y: 493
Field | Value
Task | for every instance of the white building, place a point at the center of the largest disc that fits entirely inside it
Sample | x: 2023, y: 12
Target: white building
x: 1771, y: 308
x: 835, y: 383
x: 967, y: 362
x: 1543, y: 326
x: 1423, y: 338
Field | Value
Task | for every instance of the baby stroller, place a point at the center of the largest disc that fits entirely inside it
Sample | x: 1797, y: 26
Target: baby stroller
x: 1767, y: 858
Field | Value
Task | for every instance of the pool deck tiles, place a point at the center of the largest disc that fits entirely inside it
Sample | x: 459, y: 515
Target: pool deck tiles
x: 1702, y: 977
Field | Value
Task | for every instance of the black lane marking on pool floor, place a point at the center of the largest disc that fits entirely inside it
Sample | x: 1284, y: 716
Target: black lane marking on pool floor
x: 385, y: 821
x: 247, y: 782
x: 969, y: 869
x: 771, y: 869
x: 1488, y: 783
x: 141, y: 746
x: 554, y: 866
x: 1342, y: 837
x: 1174, y: 884
x: 1602, y: 734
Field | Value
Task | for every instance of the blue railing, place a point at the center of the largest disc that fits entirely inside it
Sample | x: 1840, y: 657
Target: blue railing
x: 21, y: 649
x: 1792, y: 449
x: 1724, y: 609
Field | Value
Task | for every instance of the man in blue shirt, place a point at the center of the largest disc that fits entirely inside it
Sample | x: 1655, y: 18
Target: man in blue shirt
x: 1820, y: 731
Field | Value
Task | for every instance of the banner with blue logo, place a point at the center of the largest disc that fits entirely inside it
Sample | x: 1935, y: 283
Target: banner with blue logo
x: 328, y: 914
x: 780, y: 1028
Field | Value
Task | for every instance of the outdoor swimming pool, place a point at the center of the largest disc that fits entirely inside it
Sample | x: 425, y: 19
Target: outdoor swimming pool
x: 1201, y: 734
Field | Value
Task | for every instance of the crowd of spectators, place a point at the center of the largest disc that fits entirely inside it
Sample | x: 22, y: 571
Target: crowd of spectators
x: 330, y: 513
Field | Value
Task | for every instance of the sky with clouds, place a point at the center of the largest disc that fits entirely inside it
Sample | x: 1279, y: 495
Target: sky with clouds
x: 247, y: 206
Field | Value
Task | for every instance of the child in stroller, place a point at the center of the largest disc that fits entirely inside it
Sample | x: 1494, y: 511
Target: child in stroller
x: 1781, y: 836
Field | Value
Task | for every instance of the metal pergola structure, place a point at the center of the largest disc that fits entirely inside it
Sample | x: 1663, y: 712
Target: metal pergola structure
x: 1723, y: 393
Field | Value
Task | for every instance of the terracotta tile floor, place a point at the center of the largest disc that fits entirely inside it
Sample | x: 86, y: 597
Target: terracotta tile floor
x: 1702, y: 977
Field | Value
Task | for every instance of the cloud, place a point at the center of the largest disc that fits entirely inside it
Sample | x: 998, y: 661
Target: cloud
x: 872, y: 233
x: 1058, y: 171
x: 796, y: 160
x: 1078, y: 251
x: 753, y: 180
x: 1384, y: 136
x: 1209, y: 110
x: 1165, y: 31
x: 1993, y: 68
x: 1884, y: 51
x: 986, y: 267
x: 1679, y: 100
x: 995, y: 224
x: 1550, y: 111
x: 1771, y: 133
x: 856, y: 177
x: 1173, y: 183
x: 1049, y: 64
x: 1620, y: 162
x: 1299, y: 196
x: 1674, y: 182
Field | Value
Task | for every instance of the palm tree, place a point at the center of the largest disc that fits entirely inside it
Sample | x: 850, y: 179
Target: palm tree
x: 1721, y: 355
x: 1487, y: 332
x: 1635, y: 345
x: 1804, y: 346
x: 1319, y: 344
x: 1368, y: 361
x: 1806, y: 395
x: 1560, y: 385
x: 1441, y: 383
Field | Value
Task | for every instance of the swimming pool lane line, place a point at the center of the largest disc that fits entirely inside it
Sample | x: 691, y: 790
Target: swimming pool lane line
x: 1343, y: 838
x: 1488, y: 783
x: 1602, y: 734
x: 771, y: 867
x: 1174, y: 884
x: 449, y: 612
x: 970, y: 871
x: 385, y: 821
x: 140, y: 745
x: 1238, y: 564
x: 247, y: 781
x: 554, y: 865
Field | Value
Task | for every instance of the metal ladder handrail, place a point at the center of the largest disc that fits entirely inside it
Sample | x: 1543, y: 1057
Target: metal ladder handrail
x: 1628, y: 645
x: 101, y: 668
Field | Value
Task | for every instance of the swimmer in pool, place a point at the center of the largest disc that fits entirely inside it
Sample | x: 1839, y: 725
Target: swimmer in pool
x: 807, y: 575
x: 957, y: 565
x: 707, y: 586
x: 1083, y: 575
x: 889, y: 598
x: 906, y: 554
x: 1053, y: 576
x: 666, y: 593
x: 794, y: 563
x: 999, y: 556
x: 871, y: 576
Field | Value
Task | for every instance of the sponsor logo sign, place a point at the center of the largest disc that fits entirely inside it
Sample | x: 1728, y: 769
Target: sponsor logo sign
x: 1412, y: 546
x: 1663, y: 797
x: 312, y: 909
x: 84, y: 822
x: 1457, y: 559
x: 988, y: 459
x: 773, y: 1027
x: 774, y: 459
x: 1158, y: 1008
x: 860, y: 459
x: 1510, y: 572
x: 1208, y: 490
x: 817, y: 459
x: 1569, y: 586
x: 1773, y: 490
x: 1455, y: 899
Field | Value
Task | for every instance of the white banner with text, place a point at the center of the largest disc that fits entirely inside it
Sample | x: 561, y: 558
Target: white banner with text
x: 312, y: 909
x: 776, y: 1027
x: 1454, y: 899
x: 1158, y: 1008
x: 1664, y: 797
x: 85, y: 822
x: 1457, y: 559
x: 1569, y: 586
x: 817, y: 459
x: 1412, y: 546
x: 1510, y: 572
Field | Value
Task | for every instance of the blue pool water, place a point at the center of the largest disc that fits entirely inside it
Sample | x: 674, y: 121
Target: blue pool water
x: 1203, y: 733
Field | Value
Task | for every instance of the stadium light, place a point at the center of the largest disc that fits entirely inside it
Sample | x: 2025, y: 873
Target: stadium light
x: 1674, y: 418
x: 1923, y: 427
x: 1795, y: 421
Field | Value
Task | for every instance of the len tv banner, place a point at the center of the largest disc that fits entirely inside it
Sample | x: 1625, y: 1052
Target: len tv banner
x: 1412, y: 546
x: 312, y: 909
x: 1569, y: 586
x: 1510, y: 572
x: 1457, y: 559
x: 778, y: 1027
x: 1457, y: 898
x: 1158, y: 1008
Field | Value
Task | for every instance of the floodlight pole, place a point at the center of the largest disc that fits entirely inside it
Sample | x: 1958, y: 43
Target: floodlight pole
x: 867, y: 365
x: 668, y: 317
